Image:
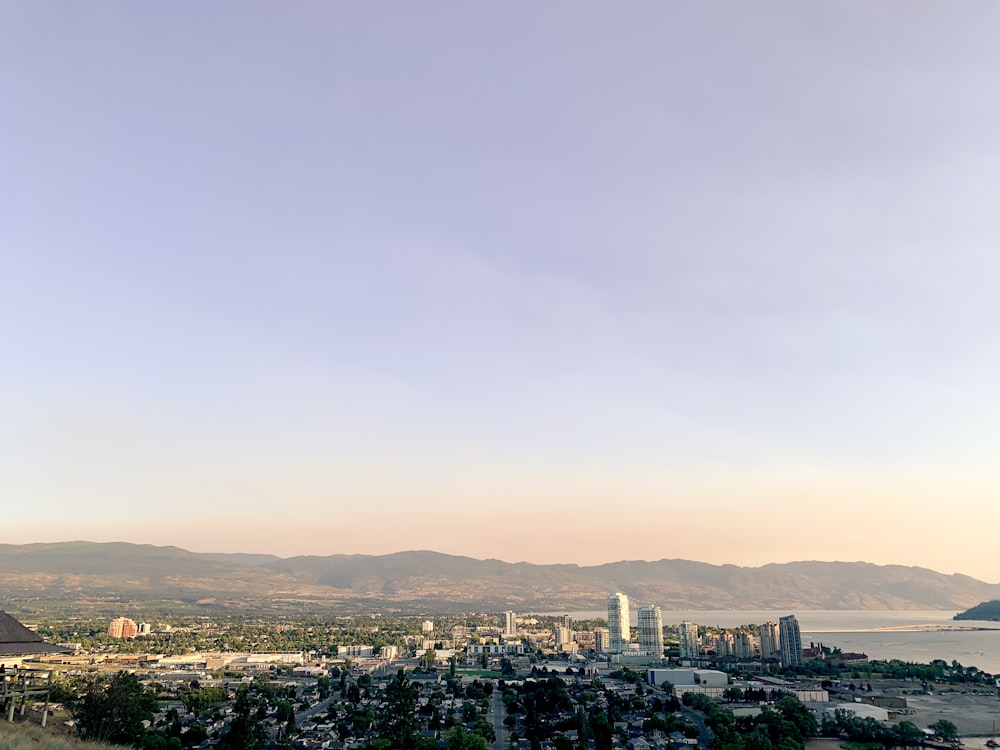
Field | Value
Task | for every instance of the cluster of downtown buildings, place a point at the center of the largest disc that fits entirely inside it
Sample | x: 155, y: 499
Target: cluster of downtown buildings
x: 777, y: 644
x: 778, y: 641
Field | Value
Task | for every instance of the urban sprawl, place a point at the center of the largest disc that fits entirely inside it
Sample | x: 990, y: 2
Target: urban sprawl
x: 471, y: 681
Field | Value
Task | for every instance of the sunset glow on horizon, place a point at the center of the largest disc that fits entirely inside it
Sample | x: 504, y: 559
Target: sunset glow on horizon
x: 561, y: 282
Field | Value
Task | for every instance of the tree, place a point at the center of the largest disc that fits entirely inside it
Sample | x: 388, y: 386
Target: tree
x: 398, y: 722
x: 114, y: 712
x: 245, y: 730
x: 945, y: 730
x: 428, y: 659
x: 795, y: 712
x: 907, y: 734
x: 284, y: 712
x: 197, y: 699
x: 600, y: 727
x: 457, y: 738
x: 484, y: 728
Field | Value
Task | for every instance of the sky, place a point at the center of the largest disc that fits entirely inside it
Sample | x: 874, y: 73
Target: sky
x: 557, y: 282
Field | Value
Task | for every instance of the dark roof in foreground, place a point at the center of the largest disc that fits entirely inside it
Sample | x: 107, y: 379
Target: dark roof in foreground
x: 17, y: 640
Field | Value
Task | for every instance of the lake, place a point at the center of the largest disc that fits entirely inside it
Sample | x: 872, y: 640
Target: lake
x: 910, y: 635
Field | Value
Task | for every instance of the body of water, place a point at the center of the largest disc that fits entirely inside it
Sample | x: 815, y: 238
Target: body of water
x: 909, y: 635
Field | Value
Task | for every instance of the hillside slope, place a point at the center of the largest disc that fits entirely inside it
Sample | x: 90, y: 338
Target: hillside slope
x: 105, y: 576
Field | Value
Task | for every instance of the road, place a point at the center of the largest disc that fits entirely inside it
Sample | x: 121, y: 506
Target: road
x: 704, y: 733
x: 496, y: 714
x: 319, y: 708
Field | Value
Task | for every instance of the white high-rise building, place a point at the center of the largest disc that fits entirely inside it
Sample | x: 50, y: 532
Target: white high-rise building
x: 770, y: 645
x: 689, y: 640
x: 618, y: 622
x: 509, y: 623
x: 651, y: 630
x: 791, y: 641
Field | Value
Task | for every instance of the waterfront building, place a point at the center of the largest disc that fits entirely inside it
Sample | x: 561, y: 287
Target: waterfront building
x: 651, y: 630
x: 689, y: 640
x: 791, y: 641
x: 770, y: 645
x: 618, y: 622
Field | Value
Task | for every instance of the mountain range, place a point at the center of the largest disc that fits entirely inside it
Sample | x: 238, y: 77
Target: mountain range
x: 107, y: 577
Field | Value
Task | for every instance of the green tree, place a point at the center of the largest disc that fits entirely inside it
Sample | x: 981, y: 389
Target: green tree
x: 428, y: 658
x: 197, y: 699
x: 457, y: 738
x: 484, y: 728
x: 796, y: 713
x: 601, y: 729
x: 398, y: 722
x: 284, y: 711
x: 758, y: 739
x: 245, y: 730
x: 945, y: 730
x: 323, y: 687
x: 114, y: 712
x: 907, y: 734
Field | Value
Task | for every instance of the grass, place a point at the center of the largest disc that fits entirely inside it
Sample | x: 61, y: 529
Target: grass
x: 24, y: 735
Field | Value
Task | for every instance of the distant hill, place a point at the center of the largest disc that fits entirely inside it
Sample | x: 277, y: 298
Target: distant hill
x: 91, y: 577
x: 985, y: 611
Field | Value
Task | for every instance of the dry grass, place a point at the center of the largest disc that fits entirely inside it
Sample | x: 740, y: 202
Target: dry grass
x: 24, y: 735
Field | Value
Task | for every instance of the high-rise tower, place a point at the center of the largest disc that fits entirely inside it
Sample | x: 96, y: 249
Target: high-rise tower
x: 689, y: 640
x: 509, y: 623
x: 651, y: 630
x: 618, y: 622
x: 791, y: 641
x: 770, y: 644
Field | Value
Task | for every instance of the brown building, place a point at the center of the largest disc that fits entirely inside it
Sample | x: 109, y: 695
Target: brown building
x: 123, y: 627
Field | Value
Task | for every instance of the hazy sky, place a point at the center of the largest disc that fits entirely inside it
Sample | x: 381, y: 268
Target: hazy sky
x: 544, y: 281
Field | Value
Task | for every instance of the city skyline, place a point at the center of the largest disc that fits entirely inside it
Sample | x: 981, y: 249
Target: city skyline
x: 495, y: 281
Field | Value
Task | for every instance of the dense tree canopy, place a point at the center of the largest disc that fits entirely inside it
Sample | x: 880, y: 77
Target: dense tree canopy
x: 114, y: 711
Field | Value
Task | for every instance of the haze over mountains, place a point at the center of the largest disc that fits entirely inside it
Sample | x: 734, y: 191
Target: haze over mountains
x: 103, y: 576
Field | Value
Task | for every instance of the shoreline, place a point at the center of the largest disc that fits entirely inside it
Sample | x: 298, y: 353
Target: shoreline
x: 924, y: 628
